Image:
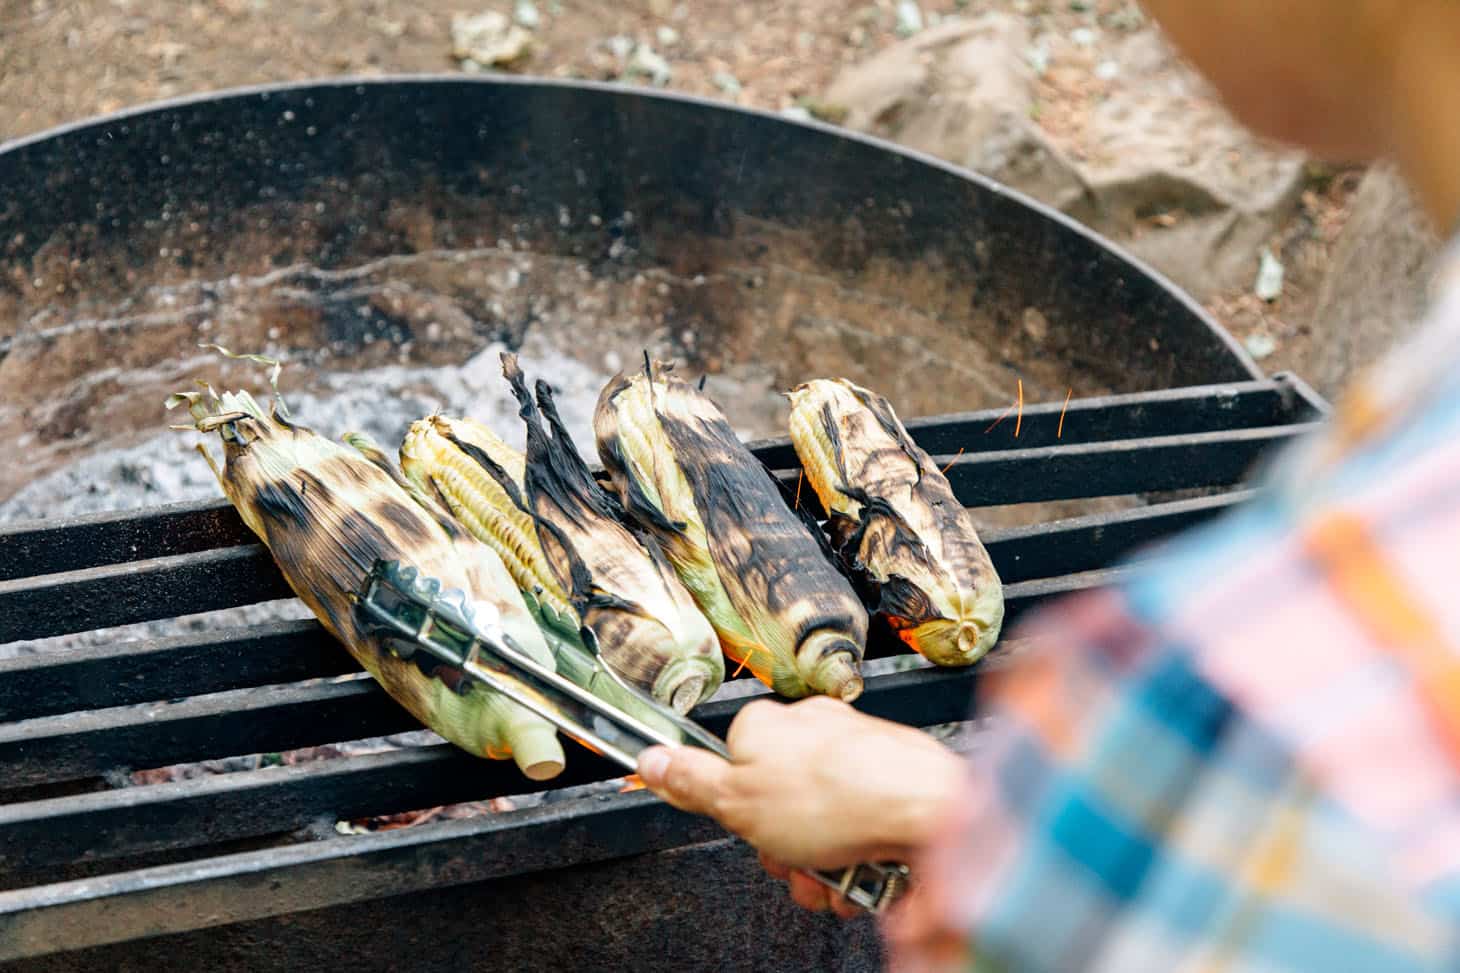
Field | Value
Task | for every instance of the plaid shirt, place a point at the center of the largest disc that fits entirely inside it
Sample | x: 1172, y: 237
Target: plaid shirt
x: 1249, y: 756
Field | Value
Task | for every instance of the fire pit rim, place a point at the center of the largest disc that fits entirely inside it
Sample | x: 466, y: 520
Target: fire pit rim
x: 1239, y: 354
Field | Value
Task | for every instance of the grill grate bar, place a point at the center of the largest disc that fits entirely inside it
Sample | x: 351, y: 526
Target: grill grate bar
x: 72, y: 543
x: 1170, y: 412
x: 264, y: 719
x: 1087, y: 543
x: 137, y: 591
x: 249, y: 885
x: 122, y: 673
x: 1213, y: 459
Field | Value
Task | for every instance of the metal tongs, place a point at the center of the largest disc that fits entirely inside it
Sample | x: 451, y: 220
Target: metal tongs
x: 415, y: 613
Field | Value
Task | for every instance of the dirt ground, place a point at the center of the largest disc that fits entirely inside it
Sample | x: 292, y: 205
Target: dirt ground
x: 65, y: 60
x: 61, y: 60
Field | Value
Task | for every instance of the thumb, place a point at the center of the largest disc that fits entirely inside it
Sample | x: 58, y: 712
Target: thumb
x: 687, y: 777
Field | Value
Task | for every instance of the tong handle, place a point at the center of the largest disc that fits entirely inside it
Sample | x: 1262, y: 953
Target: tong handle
x: 592, y: 721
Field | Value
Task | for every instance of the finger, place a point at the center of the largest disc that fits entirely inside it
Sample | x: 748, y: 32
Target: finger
x: 822, y: 703
x: 755, y: 719
x: 774, y: 868
x: 844, y: 907
x: 687, y: 777
x: 653, y: 764
x: 808, y: 893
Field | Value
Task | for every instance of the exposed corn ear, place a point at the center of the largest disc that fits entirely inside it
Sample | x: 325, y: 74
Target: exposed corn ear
x: 894, y: 518
x: 645, y: 624
x: 479, y: 478
x: 754, y: 568
x: 327, y: 514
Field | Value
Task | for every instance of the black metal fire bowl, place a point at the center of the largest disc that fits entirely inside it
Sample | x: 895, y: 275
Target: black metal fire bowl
x: 622, y: 182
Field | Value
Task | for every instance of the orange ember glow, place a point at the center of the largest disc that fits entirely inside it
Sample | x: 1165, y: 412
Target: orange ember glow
x: 1019, y: 421
x: 633, y: 782
x: 995, y: 424
x: 1060, y: 431
x: 743, y: 663
x: 952, y: 461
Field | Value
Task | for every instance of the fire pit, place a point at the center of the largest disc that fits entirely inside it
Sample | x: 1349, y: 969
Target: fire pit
x: 731, y: 239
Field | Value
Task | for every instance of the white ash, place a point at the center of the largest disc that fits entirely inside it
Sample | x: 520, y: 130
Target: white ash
x: 380, y: 402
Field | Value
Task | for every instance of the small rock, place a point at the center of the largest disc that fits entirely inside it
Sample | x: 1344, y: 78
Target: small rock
x: 1269, y: 286
x: 1038, y: 58
x: 796, y: 112
x: 620, y: 46
x: 489, y: 39
x: 390, y: 28
x: 666, y: 36
x: 909, y: 18
x: 1035, y: 324
x: 827, y: 111
x: 1083, y: 36
x: 1260, y: 344
x: 964, y: 91
x: 525, y: 13
x: 1107, y: 70
x: 726, y: 82
x: 648, y: 63
x: 1127, y: 18
x: 1377, y: 286
x: 1080, y: 6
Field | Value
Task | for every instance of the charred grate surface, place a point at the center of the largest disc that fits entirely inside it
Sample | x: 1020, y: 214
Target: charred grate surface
x: 69, y: 719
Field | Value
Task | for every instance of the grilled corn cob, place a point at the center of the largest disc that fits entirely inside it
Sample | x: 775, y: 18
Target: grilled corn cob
x: 327, y: 513
x: 569, y: 547
x: 760, y: 576
x: 480, y: 479
x: 894, y: 518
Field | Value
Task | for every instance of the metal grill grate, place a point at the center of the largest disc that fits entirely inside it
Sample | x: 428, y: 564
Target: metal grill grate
x: 69, y: 719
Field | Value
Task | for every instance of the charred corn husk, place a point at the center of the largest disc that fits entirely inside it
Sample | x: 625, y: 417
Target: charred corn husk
x: 757, y: 572
x: 645, y: 624
x: 327, y: 513
x: 570, y: 546
x: 894, y: 518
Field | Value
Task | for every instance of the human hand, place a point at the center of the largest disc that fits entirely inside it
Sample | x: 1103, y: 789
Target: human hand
x: 814, y: 784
